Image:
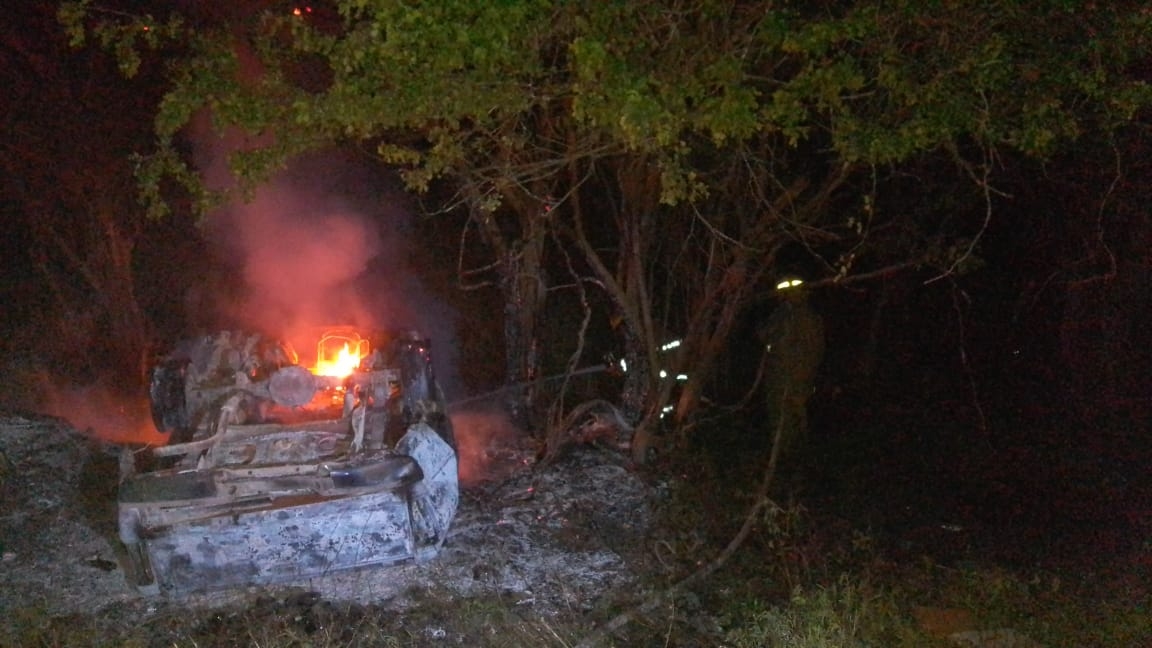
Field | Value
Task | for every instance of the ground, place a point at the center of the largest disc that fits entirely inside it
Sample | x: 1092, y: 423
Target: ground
x: 549, y: 555
x: 554, y: 541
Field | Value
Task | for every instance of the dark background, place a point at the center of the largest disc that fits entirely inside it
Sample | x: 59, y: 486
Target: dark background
x: 1009, y: 404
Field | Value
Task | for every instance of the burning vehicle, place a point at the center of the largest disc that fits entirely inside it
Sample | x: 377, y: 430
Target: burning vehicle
x: 275, y: 472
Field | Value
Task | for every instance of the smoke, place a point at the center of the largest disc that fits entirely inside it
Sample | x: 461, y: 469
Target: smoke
x: 101, y: 412
x: 325, y: 242
x: 479, y: 437
x: 298, y: 255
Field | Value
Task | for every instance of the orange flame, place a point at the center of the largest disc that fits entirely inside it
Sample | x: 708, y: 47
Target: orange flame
x: 345, y: 362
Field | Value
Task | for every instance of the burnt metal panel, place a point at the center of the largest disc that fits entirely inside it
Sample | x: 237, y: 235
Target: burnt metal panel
x: 229, y: 526
x: 248, y: 498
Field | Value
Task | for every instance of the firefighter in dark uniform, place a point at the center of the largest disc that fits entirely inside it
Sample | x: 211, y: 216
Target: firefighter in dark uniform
x: 794, y: 343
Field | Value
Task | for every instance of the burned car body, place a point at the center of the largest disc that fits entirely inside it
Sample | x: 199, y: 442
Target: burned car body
x: 274, y: 473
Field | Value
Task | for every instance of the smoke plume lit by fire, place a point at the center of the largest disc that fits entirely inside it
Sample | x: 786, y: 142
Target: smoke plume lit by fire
x: 101, y: 412
x: 325, y: 242
x: 477, y: 432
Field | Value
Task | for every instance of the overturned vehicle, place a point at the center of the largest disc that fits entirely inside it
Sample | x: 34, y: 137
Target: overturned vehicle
x: 275, y: 472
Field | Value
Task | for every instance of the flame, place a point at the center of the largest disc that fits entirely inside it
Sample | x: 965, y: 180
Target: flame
x: 345, y: 362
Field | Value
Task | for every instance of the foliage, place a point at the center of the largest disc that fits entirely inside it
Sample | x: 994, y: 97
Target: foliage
x: 878, y: 81
x: 678, y: 151
x: 843, y: 614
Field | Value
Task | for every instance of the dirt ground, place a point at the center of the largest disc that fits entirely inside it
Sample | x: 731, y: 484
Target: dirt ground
x: 554, y: 540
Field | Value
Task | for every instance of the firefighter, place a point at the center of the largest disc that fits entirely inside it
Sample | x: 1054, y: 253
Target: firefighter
x: 794, y: 345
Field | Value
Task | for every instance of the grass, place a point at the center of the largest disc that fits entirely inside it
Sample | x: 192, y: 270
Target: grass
x: 875, y: 605
x: 845, y: 613
x: 856, y: 610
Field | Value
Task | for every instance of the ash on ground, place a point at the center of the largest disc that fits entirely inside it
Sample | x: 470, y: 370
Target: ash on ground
x: 57, y: 518
x: 555, y: 538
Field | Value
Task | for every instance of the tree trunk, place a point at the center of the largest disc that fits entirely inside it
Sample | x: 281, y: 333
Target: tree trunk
x: 524, y: 301
x: 523, y: 285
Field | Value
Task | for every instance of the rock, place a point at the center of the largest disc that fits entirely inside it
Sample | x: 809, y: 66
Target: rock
x: 943, y: 622
x: 960, y: 627
x: 999, y: 638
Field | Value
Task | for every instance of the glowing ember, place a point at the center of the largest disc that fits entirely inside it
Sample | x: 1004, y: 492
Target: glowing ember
x: 345, y: 362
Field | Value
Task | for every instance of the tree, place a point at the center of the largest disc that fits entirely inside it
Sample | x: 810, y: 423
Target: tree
x: 680, y: 151
x: 64, y: 151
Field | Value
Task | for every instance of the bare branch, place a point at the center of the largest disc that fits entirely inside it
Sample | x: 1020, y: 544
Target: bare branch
x: 1116, y: 179
x: 761, y: 502
x: 985, y: 186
